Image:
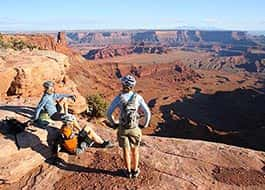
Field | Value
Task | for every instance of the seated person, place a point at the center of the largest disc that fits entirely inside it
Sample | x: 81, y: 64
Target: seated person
x: 76, y: 143
x: 52, y: 106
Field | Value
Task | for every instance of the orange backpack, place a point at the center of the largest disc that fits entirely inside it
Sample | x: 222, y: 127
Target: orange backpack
x: 70, y: 140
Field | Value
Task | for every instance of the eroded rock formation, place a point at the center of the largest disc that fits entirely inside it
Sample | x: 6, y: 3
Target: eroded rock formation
x: 23, y: 73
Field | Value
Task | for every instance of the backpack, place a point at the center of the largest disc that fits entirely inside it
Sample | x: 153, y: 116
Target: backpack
x: 69, y: 139
x: 15, y: 127
x: 129, y: 117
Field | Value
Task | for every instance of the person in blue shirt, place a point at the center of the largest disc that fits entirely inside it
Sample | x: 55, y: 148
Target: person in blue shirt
x: 55, y: 105
x: 129, y: 137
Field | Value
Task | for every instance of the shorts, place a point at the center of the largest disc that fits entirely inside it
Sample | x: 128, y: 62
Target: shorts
x: 57, y: 116
x: 129, y: 137
x: 84, y: 142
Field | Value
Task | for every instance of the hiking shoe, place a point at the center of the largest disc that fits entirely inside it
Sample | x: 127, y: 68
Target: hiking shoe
x: 79, y: 151
x: 136, y: 173
x: 107, y: 144
x: 57, y: 161
x: 127, y: 174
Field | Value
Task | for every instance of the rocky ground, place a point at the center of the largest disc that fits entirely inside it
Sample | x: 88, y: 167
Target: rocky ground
x: 181, y: 164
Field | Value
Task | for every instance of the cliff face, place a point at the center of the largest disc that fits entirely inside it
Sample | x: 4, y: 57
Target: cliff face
x: 99, y: 38
x: 113, y: 51
x: 169, y: 38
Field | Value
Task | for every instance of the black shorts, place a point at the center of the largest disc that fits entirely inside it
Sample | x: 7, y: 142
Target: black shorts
x: 57, y: 116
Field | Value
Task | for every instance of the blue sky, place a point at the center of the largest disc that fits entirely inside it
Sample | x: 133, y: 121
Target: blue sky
x: 22, y: 15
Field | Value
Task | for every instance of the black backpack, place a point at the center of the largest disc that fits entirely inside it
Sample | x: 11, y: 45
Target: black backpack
x: 14, y: 127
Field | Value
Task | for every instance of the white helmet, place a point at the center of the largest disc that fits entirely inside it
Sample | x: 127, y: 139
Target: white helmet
x: 128, y: 81
x: 68, y: 118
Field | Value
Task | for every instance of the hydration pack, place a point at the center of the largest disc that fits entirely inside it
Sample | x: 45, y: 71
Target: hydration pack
x: 129, y: 118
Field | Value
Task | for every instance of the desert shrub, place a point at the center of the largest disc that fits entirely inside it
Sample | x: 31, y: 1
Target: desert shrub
x: 16, y: 44
x: 32, y: 47
x: 97, y: 105
x: 1, y: 41
x: 1, y: 44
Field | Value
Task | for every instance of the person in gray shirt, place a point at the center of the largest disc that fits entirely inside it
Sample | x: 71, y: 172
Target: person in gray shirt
x: 129, y: 131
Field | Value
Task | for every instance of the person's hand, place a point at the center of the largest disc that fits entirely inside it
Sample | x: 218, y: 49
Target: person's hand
x: 73, y: 97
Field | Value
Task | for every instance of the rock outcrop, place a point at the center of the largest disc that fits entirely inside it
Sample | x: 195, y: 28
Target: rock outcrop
x: 23, y: 73
x: 42, y: 41
x: 183, y: 164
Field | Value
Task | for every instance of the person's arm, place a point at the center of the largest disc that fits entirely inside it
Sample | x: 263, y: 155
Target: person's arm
x: 60, y: 96
x: 146, y: 110
x: 114, y: 104
x: 40, y: 107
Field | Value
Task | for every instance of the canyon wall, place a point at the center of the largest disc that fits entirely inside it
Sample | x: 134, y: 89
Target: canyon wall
x: 161, y: 37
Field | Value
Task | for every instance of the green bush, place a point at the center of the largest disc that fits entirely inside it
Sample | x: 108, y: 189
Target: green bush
x: 18, y: 45
x: 97, y: 105
x: 1, y: 44
x: 1, y: 41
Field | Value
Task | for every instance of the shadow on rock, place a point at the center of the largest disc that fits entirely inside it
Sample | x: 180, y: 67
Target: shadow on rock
x: 61, y: 164
x: 30, y: 138
x: 235, y: 118
x: 25, y: 111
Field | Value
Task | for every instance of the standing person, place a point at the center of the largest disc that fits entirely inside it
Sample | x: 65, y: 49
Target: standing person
x: 129, y: 132
x: 53, y: 105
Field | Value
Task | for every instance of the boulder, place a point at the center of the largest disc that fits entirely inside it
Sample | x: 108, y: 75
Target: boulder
x: 24, y: 72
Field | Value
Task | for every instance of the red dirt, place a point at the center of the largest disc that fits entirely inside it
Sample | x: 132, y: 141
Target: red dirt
x: 104, y: 173
x: 239, y: 176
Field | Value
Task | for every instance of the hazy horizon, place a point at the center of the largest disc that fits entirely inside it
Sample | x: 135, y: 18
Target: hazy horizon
x: 30, y: 15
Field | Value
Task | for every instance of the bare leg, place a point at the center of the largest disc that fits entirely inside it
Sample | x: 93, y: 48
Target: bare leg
x: 135, y: 157
x: 64, y: 105
x: 127, y: 158
x: 76, y: 125
x: 93, y: 135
